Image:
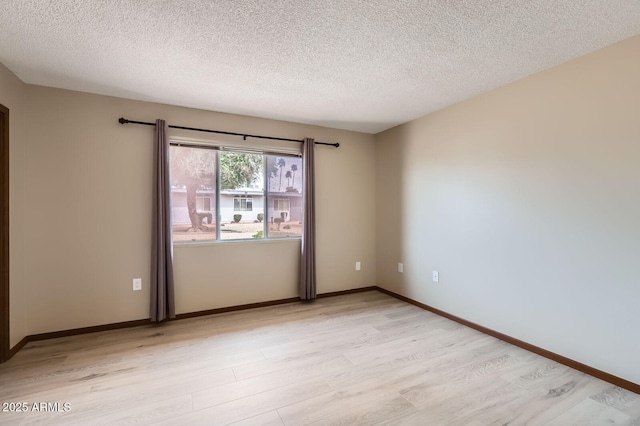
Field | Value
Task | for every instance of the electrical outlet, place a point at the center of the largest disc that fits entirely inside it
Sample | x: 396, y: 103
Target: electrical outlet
x: 357, y: 266
x: 400, y: 267
x: 137, y: 284
x: 435, y: 276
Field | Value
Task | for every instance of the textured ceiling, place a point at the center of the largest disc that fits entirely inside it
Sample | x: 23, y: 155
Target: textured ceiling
x: 363, y: 65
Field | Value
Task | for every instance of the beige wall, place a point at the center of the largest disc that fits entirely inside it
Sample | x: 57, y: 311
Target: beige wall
x: 12, y: 96
x: 527, y: 201
x: 87, y: 203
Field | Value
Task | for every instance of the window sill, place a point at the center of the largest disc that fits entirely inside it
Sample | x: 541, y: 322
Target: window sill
x: 184, y: 244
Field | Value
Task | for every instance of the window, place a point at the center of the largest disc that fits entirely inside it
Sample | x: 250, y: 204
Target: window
x: 241, y: 195
x: 231, y: 195
x: 281, y: 204
x: 203, y: 204
x: 242, y: 203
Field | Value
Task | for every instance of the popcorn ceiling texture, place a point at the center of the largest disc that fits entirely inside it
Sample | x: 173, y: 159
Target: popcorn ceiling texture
x: 363, y: 65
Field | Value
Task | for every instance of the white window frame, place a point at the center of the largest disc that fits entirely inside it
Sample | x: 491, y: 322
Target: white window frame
x: 216, y: 212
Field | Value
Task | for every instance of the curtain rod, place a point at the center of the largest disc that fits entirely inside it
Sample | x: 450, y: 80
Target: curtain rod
x: 122, y: 120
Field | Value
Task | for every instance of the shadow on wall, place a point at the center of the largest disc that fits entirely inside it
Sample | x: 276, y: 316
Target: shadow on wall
x: 391, y: 207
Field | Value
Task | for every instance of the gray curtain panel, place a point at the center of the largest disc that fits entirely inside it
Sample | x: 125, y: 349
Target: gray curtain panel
x: 308, y: 257
x: 162, y: 293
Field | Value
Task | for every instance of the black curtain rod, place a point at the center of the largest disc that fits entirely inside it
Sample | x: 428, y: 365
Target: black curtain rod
x: 244, y: 136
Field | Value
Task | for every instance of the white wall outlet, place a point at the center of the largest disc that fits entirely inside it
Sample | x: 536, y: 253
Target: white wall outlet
x: 435, y: 276
x: 137, y: 284
x: 358, y: 266
x: 400, y: 267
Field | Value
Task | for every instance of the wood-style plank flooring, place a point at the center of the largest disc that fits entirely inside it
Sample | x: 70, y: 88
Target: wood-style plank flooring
x: 363, y: 358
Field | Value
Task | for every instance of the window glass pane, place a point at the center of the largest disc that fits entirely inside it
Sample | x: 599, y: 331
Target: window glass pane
x: 193, y: 193
x: 284, y: 175
x: 241, y: 195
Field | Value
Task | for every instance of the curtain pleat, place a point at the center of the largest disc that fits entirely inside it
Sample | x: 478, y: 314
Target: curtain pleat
x: 162, y: 291
x: 308, y: 255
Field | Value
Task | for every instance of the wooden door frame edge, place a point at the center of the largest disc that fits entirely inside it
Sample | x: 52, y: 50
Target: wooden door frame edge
x: 4, y: 237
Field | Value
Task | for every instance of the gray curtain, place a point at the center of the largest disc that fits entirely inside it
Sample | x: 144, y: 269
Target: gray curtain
x: 308, y: 257
x: 162, y: 295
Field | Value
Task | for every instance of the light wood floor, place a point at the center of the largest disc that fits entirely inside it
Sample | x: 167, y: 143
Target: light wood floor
x: 364, y: 358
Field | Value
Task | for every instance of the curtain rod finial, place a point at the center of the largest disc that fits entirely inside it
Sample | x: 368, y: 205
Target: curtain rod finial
x: 123, y: 120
